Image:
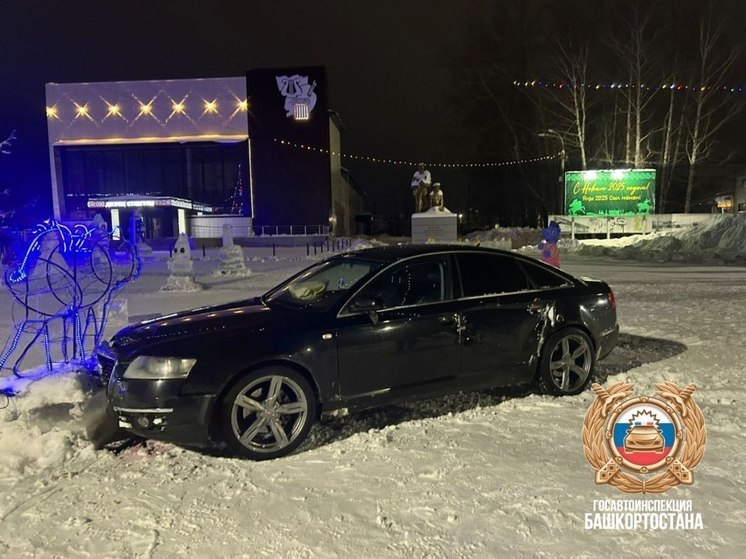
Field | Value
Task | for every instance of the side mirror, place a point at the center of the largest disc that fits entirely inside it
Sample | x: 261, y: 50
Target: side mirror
x: 368, y: 305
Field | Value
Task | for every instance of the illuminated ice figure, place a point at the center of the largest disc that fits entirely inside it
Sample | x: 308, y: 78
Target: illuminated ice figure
x: 63, y: 286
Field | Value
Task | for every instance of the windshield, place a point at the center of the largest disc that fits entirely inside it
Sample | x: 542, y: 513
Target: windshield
x: 322, y: 286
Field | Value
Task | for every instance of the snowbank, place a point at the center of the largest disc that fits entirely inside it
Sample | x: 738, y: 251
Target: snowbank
x: 517, y: 236
x: 41, y: 427
x: 722, y: 238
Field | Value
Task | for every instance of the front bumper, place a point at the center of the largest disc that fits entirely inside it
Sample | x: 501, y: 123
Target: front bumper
x: 157, y: 409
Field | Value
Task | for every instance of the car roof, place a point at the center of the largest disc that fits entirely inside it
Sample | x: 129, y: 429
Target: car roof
x: 391, y: 253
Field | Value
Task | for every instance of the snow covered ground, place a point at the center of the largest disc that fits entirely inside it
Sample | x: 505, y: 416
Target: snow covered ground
x: 491, y: 474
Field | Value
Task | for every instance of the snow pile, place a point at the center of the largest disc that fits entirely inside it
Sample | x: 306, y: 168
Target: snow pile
x: 361, y: 243
x: 232, y: 262
x: 506, y: 238
x: 181, y: 284
x: 41, y: 427
x: 720, y: 238
x: 619, y: 242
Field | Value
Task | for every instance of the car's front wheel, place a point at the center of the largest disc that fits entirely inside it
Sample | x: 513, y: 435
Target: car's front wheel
x: 268, y: 413
x: 566, y: 363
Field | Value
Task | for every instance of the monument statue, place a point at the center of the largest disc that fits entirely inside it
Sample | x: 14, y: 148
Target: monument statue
x: 421, y: 181
x: 436, y: 198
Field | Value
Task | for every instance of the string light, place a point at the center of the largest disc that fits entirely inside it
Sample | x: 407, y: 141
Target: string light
x: 142, y: 108
x: 623, y: 85
x: 414, y: 163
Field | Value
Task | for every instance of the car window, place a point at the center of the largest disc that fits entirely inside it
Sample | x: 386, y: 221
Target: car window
x: 541, y: 278
x: 412, y: 284
x: 323, y: 285
x: 490, y: 274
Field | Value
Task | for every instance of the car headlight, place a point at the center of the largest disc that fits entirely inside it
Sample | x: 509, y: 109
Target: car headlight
x: 155, y: 368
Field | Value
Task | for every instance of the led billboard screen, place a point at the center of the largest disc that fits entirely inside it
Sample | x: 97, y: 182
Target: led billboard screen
x: 610, y: 192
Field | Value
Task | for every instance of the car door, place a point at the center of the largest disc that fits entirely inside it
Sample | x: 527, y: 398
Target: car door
x: 410, y: 341
x: 502, y: 320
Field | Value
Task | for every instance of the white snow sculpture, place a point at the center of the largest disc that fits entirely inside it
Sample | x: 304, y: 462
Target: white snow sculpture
x: 231, y: 256
x: 181, y: 267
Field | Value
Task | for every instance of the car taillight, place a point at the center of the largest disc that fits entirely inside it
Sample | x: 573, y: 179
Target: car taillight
x: 612, y: 300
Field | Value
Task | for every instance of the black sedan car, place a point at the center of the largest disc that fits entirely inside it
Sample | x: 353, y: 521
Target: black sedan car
x: 358, y: 330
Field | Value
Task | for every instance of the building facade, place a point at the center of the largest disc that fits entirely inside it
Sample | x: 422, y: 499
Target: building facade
x: 178, y: 150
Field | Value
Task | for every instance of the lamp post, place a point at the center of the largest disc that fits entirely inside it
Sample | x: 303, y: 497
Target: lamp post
x: 549, y: 133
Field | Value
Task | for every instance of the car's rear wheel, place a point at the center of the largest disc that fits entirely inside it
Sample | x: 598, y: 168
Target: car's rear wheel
x: 566, y: 363
x: 268, y: 413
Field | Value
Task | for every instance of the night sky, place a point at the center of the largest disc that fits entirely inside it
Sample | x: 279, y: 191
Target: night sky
x: 385, y: 61
x: 400, y: 74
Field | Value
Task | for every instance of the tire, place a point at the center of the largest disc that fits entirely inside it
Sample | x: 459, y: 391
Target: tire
x: 567, y: 363
x: 267, y: 414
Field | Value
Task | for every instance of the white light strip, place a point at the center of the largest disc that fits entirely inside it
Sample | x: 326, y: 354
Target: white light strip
x: 251, y: 183
x: 150, y: 203
x: 153, y: 140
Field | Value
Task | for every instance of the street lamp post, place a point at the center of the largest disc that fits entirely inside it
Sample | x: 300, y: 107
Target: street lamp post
x: 549, y: 133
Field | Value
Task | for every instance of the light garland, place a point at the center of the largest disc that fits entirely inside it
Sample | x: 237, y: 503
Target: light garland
x: 623, y: 85
x: 66, y: 271
x: 414, y: 163
x: 143, y: 108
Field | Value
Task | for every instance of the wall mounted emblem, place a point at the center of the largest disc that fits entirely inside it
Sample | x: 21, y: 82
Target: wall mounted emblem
x: 300, y: 98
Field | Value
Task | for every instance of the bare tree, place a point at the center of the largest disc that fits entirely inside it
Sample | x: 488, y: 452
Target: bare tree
x: 673, y: 130
x: 635, y: 53
x: 572, y: 101
x: 711, y: 106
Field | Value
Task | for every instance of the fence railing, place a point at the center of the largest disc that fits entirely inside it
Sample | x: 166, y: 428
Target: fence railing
x: 291, y: 230
x: 216, y: 231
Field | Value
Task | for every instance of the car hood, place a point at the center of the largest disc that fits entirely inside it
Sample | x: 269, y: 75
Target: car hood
x: 245, y: 315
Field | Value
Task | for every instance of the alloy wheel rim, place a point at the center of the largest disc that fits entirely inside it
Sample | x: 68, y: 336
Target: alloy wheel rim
x: 269, y: 414
x: 570, y: 362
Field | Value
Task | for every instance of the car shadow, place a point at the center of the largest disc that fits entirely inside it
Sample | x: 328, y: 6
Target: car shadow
x: 631, y: 351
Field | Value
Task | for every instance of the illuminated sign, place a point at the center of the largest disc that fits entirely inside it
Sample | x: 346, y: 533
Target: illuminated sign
x: 610, y: 192
x: 148, y: 203
x: 301, y: 112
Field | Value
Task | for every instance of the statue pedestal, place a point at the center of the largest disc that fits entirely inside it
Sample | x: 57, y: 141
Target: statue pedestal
x: 434, y: 225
